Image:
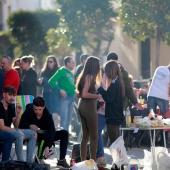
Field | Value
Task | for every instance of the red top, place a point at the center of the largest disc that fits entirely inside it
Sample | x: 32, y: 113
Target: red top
x: 12, y: 79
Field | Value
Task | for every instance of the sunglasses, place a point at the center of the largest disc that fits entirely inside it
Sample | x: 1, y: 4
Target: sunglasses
x: 50, y: 61
x: 7, y: 57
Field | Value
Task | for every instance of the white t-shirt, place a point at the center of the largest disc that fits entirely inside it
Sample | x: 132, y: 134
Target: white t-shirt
x: 160, y: 83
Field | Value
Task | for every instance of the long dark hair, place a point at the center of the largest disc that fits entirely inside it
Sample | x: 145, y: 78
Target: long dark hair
x: 91, y: 68
x: 112, y: 71
x: 46, y: 70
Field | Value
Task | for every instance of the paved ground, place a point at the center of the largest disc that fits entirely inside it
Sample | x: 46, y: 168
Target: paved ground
x: 137, y: 152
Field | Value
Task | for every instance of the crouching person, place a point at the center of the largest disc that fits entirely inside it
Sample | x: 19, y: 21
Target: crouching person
x: 8, y: 115
x: 35, y: 117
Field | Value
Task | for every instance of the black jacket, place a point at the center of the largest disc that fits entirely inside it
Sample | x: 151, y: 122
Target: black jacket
x: 114, y: 102
x: 44, y: 123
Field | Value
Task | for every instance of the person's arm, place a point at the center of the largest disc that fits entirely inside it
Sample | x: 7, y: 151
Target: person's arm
x: 3, y: 127
x: 16, y: 120
x: 129, y: 91
x: 109, y: 95
x: 85, y: 91
x: 24, y: 122
x: 53, y: 81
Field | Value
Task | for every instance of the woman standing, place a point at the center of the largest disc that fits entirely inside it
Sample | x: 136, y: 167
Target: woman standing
x: 50, y: 94
x: 87, y: 105
x: 113, y: 98
x: 28, y: 77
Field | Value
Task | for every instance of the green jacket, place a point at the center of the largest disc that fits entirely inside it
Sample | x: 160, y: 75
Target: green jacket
x: 63, y: 79
x: 128, y: 89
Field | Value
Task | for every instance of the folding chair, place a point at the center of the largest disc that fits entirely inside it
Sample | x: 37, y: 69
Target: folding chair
x: 23, y: 100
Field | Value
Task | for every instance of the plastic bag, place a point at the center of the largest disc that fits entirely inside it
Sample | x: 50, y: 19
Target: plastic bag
x: 148, y: 162
x: 163, y: 161
x: 85, y: 165
x: 118, y: 152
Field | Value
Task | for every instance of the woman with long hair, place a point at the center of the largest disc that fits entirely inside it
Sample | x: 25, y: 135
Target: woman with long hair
x: 28, y: 81
x: 86, y: 81
x: 113, y: 97
x: 50, y: 94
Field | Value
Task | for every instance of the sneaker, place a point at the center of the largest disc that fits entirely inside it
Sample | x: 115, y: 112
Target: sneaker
x: 62, y: 164
x: 101, y: 162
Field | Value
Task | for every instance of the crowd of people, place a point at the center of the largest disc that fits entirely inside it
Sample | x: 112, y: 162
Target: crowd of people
x: 111, y: 86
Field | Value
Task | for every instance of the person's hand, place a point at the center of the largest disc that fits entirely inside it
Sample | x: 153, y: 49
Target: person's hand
x: 96, y: 86
x: 139, y: 106
x: 100, y: 96
x: 47, y: 152
x: 34, y: 127
x: 63, y: 93
x: 40, y: 80
x: 18, y: 108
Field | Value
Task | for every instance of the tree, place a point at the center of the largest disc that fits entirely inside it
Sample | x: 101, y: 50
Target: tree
x: 6, y: 47
x: 144, y: 19
x: 89, y: 23
x: 28, y: 30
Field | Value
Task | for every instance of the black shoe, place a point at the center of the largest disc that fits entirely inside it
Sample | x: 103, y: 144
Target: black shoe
x: 62, y: 164
x: 114, y: 167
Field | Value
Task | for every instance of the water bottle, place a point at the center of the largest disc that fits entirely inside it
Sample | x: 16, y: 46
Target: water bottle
x: 128, y: 117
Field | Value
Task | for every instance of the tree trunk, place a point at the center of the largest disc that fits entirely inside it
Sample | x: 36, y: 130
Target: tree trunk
x: 158, y: 42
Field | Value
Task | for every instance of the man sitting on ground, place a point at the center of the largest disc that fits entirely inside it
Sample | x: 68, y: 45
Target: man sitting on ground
x: 36, y: 116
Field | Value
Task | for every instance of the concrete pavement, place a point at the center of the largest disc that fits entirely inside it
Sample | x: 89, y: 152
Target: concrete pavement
x: 137, y: 152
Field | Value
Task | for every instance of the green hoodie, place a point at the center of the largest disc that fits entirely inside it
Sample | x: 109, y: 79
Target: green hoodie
x: 63, y: 79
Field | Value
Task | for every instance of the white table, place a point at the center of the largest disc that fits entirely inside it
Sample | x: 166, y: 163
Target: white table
x: 152, y: 139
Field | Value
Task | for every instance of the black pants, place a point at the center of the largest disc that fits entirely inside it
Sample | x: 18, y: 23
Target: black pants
x: 61, y: 135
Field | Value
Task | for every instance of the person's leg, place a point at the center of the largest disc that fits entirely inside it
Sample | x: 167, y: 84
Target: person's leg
x: 92, y: 125
x: 63, y: 112
x: 18, y: 137
x: 85, y: 138
x: 7, y: 140
x: 31, y: 136
x: 163, y: 105
x: 151, y: 103
x: 70, y: 110
x: 101, y: 125
x: 62, y: 135
x: 113, y: 132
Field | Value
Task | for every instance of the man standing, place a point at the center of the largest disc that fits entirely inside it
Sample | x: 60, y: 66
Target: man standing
x: 37, y: 116
x: 80, y: 67
x: 7, y: 117
x: 11, y: 75
x: 128, y: 88
x: 159, y: 89
x: 63, y: 80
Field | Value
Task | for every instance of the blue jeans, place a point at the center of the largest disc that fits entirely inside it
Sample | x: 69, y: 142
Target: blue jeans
x: 66, y: 111
x: 26, y: 134
x: 5, y: 147
x: 101, y: 125
x: 153, y: 102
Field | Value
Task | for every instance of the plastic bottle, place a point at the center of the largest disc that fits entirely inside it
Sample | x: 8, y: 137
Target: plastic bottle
x: 128, y: 117
x: 141, y: 100
x: 133, y: 164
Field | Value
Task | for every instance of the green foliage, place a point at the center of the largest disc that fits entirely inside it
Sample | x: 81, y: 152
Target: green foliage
x: 6, y: 47
x: 28, y: 30
x: 142, y: 19
x: 89, y: 22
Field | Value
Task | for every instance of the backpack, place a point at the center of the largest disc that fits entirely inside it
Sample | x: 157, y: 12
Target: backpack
x: 76, y: 153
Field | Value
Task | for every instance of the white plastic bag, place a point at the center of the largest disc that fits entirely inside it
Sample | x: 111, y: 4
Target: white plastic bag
x: 148, y: 157
x: 163, y: 161
x: 85, y: 165
x: 118, y: 152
